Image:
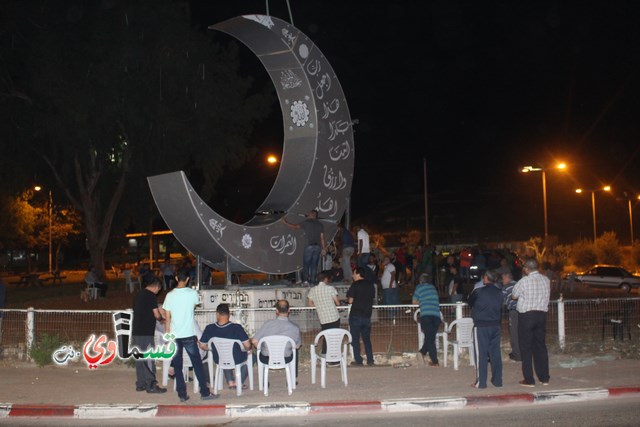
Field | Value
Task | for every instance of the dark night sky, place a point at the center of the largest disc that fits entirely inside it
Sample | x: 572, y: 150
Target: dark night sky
x: 481, y: 89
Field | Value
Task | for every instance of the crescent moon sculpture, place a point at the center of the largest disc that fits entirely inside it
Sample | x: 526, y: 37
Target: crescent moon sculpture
x: 316, y: 171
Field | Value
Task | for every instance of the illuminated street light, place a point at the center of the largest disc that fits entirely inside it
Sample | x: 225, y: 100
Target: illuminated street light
x: 38, y: 188
x: 271, y: 159
x: 593, y: 205
x: 527, y: 169
x: 631, y: 215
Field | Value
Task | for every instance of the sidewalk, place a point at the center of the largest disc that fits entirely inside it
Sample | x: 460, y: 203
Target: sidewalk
x: 110, y: 392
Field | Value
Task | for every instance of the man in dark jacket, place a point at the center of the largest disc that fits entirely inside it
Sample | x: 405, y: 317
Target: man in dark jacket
x: 145, y: 315
x: 486, y: 311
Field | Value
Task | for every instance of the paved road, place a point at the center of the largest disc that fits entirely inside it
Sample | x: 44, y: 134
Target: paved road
x: 609, y: 412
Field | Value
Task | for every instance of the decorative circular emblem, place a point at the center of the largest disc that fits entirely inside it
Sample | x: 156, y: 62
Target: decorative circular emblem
x: 299, y: 113
x: 247, y: 241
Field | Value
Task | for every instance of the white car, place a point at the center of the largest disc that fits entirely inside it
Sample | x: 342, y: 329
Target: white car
x: 609, y: 276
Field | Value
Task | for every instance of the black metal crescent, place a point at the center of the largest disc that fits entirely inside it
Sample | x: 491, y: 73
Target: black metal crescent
x: 316, y: 171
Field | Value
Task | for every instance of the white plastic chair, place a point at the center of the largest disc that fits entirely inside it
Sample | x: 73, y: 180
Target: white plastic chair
x: 186, y: 364
x: 276, y: 345
x: 128, y: 281
x: 336, y: 353
x: 92, y: 290
x: 464, y: 339
x: 224, y: 347
x: 439, y: 335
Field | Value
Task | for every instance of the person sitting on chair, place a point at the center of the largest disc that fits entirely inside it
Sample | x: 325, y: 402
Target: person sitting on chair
x: 92, y: 280
x: 279, y: 326
x: 223, y: 328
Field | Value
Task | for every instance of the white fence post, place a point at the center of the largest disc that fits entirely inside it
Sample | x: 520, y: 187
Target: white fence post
x: 31, y: 328
x: 561, y: 331
x: 458, y: 310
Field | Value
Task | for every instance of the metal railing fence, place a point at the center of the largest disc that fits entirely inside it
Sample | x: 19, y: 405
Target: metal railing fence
x: 569, y: 322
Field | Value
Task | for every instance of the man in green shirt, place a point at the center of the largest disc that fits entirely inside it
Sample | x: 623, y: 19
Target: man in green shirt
x: 427, y: 296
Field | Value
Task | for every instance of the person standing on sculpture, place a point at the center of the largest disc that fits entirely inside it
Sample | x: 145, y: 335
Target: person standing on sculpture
x: 532, y: 293
x: 316, y: 245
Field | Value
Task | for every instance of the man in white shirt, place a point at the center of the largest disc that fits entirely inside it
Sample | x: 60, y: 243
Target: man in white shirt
x: 532, y: 293
x: 389, y: 284
x: 363, y: 247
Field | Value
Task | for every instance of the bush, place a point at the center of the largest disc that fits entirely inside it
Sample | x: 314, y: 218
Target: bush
x: 608, y: 249
x: 583, y: 254
x: 42, y: 351
x: 561, y: 256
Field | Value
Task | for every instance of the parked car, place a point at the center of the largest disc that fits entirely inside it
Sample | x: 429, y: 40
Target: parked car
x: 608, y: 276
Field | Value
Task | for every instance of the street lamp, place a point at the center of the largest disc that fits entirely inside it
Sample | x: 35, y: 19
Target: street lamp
x: 593, y: 205
x: 272, y: 159
x: 50, y: 212
x: 631, y: 216
x: 527, y: 169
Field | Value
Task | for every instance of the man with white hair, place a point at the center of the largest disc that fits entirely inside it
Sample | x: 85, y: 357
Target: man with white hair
x: 532, y: 293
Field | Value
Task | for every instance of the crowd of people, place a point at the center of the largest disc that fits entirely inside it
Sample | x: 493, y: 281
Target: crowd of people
x: 176, y: 315
x: 526, y: 300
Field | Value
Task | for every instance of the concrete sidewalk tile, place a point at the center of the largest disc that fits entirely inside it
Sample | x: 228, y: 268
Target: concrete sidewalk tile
x: 573, y: 395
x: 41, y: 411
x: 499, y: 400
x: 266, y: 409
x: 115, y: 411
x: 423, y: 404
x: 5, y: 408
x: 338, y: 407
x: 619, y: 391
x: 191, y: 410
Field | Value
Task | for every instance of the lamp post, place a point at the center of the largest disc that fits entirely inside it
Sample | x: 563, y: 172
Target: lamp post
x: 50, y: 213
x: 631, y: 216
x: 543, y: 172
x: 593, y: 205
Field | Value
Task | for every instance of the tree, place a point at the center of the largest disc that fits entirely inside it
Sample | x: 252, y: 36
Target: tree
x: 124, y: 90
x: 537, y: 246
x: 583, y: 253
x: 608, y: 249
x: 25, y: 224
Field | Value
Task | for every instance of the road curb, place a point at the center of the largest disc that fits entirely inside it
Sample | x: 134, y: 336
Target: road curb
x: 102, y: 411
x: 418, y: 404
x: 573, y: 395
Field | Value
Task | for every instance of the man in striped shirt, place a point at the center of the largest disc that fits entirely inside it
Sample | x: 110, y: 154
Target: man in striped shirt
x: 532, y: 293
x: 324, y: 298
x: 427, y: 296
